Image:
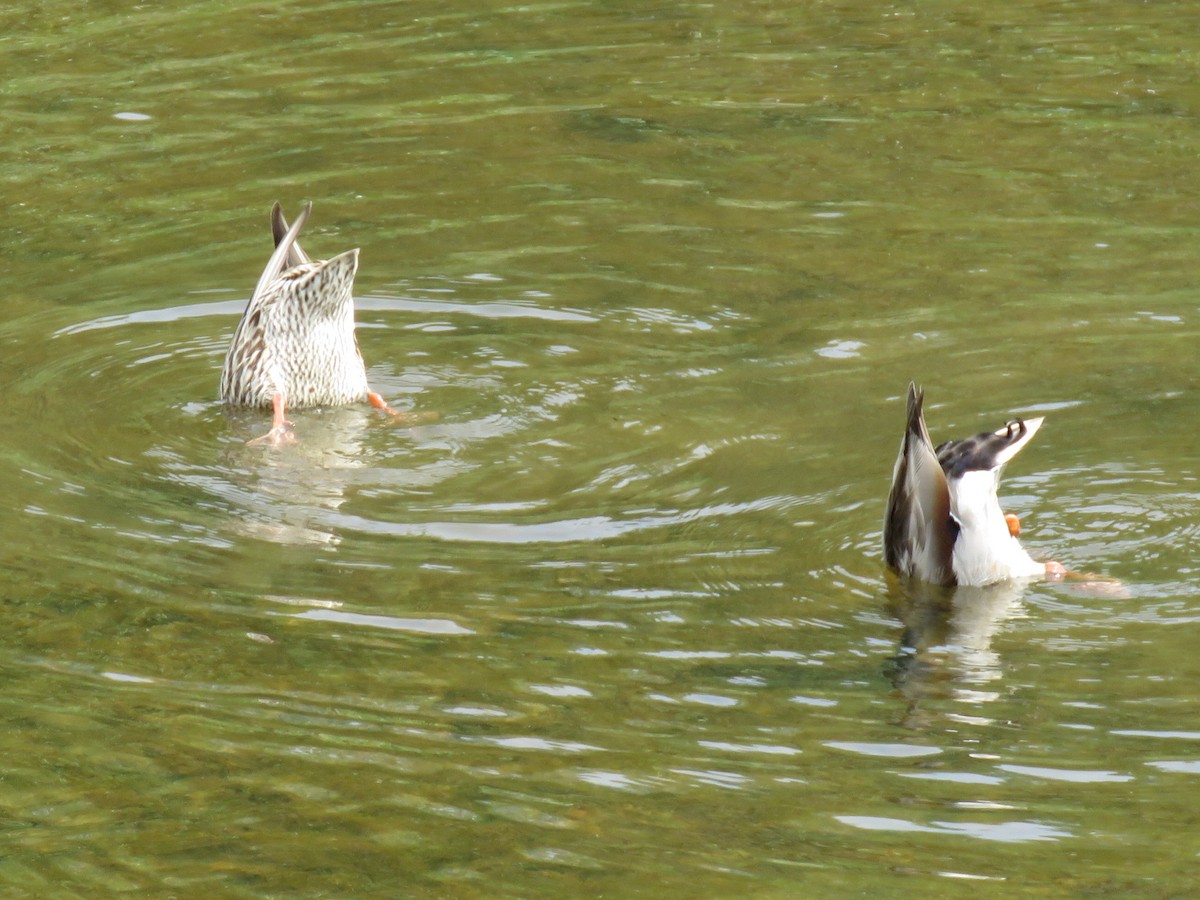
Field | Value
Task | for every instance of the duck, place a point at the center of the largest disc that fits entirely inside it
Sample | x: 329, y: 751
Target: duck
x: 295, y: 345
x: 944, y: 523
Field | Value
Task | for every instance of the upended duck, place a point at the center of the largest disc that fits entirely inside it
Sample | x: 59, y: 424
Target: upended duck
x: 944, y: 523
x: 295, y: 345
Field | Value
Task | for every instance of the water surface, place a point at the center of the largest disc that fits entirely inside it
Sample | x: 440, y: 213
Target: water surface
x: 616, y: 622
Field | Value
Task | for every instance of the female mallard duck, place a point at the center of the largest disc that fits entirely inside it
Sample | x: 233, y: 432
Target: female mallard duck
x: 295, y: 345
x: 944, y: 523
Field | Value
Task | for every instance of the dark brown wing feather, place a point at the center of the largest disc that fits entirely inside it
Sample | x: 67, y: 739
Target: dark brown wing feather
x: 918, y: 532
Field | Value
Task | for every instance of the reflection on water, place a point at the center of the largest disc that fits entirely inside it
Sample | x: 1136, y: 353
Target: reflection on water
x: 946, y: 644
x: 617, y: 618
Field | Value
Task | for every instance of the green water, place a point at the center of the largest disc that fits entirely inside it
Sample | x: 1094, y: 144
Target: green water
x: 615, y: 624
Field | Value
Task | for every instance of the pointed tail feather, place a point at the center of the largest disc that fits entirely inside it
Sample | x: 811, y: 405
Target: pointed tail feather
x: 279, y: 229
x: 283, y: 248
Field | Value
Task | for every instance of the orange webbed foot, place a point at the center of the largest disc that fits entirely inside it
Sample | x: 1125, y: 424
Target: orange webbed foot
x: 402, y: 418
x: 278, y: 436
x: 1056, y: 571
x: 281, y: 428
x: 1087, y: 583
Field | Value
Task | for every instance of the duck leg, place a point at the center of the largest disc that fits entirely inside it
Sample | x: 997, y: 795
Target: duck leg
x: 281, y: 429
x: 1055, y: 571
x: 402, y: 418
x: 378, y: 402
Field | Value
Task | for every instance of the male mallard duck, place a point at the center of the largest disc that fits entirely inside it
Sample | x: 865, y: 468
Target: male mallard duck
x: 944, y: 523
x: 295, y: 345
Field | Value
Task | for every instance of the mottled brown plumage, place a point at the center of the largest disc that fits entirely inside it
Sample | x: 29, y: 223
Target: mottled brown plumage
x: 295, y: 345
